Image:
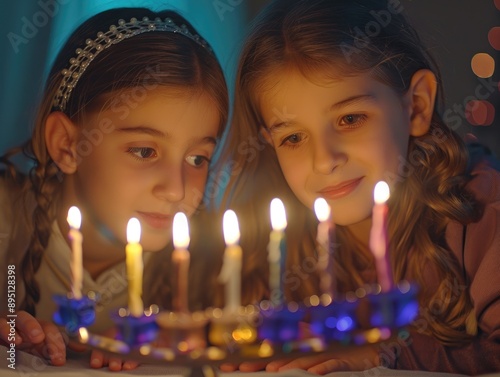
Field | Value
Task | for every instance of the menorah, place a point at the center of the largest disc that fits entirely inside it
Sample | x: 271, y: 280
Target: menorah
x: 263, y: 332
x: 269, y: 330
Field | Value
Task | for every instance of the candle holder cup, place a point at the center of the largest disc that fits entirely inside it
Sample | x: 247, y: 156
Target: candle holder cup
x: 279, y: 323
x: 335, y: 321
x: 73, y: 313
x: 232, y: 329
x: 395, y: 308
x: 135, y: 331
x: 182, y: 332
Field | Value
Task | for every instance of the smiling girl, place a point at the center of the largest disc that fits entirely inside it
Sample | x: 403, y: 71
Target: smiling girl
x: 337, y: 110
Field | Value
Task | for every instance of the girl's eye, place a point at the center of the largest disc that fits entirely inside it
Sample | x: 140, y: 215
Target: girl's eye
x: 352, y: 120
x: 142, y: 153
x: 197, y: 160
x: 292, y: 141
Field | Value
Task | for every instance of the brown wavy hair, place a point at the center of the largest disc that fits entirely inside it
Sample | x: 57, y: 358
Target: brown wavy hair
x: 177, y: 62
x: 327, y: 36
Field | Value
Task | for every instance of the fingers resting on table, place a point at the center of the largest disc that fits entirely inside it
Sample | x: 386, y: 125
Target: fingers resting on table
x: 99, y: 360
x: 40, y: 338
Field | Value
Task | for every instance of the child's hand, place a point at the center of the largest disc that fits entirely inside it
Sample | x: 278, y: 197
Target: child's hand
x: 39, y: 338
x: 249, y: 366
x: 98, y: 359
x: 323, y: 363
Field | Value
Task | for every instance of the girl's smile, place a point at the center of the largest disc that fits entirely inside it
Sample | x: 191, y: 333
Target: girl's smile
x: 340, y: 190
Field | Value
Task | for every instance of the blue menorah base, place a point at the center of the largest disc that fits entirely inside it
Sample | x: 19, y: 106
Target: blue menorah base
x: 336, y: 321
x: 279, y: 324
x: 135, y: 331
x: 395, y: 308
x: 73, y: 313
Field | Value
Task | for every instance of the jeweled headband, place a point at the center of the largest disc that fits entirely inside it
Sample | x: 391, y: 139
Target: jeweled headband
x: 116, y: 34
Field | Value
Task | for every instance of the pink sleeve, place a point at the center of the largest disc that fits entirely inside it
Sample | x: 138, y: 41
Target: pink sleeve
x: 482, y: 253
x: 481, y: 258
x: 423, y: 352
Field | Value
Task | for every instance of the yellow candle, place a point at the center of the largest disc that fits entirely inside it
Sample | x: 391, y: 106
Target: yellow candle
x: 134, y: 267
x: 277, y: 236
x: 180, y: 260
x: 231, y: 268
x: 378, y: 236
x: 75, y: 220
x: 324, y: 234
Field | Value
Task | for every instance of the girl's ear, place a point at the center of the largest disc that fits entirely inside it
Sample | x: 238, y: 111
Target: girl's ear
x: 421, y: 97
x: 60, y: 137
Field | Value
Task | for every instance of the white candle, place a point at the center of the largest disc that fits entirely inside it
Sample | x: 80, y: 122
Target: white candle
x: 180, y: 260
x: 325, y: 233
x: 134, y: 267
x: 378, y: 236
x: 278, y: 223
x: 75, y: 220
x: 231, y: 268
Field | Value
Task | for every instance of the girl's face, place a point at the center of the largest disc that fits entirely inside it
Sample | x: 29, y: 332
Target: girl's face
x: 146, y: 156
x: 336, y: 140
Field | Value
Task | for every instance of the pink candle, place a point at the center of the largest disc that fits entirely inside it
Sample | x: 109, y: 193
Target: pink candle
x: 325, y: 233
x: 378, y: 236
x: 180, y: 259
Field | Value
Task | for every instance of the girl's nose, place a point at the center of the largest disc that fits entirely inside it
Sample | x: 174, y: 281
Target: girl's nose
x: 170, y: 184
x: 326, y: 158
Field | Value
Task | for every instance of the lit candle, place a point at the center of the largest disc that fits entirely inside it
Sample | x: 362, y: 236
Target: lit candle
x: 276, y: 239
x: 378, y: 236
x: 180, y: 260
x: 134, y: 267
x: 231, y: 268
x: 75, y: 220
x: 325, y: 235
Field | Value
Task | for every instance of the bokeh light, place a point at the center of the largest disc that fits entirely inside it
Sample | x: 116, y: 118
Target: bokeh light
x: 480, y: 113
x: 494, y: 37
x: 483, y: 65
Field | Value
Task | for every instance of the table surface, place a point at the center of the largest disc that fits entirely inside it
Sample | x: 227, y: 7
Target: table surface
x: 77, y: 365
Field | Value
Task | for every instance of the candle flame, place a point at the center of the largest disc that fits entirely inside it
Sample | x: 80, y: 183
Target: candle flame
x: 231, y: 227
x: 180, y: 231
x: 278, y: 214
x: 322, y: 209
x: 74, y: 217
x: 133, y: 231
x: 84, y: 334
x: 381, y: 192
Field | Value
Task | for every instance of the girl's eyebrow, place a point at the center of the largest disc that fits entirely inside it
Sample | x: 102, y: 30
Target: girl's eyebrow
x: 352, y: 100
x: 276, y: 126
x: 145, y: 130
x: 335, y: 106
x: 208, y: 140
